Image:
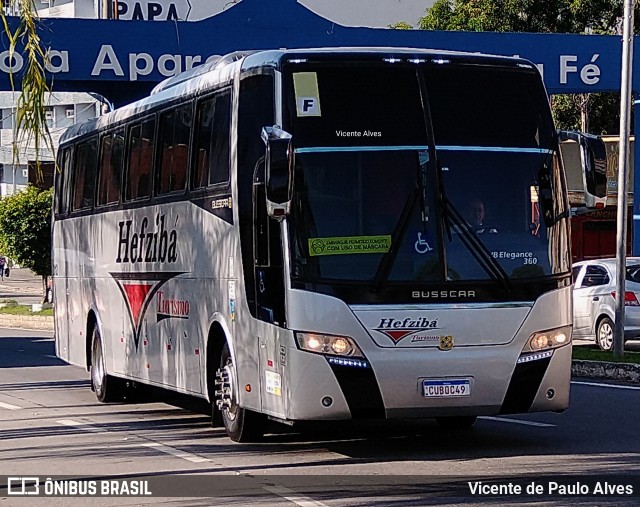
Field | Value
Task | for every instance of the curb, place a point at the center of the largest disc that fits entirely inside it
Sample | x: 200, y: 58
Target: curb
x: 625, y: 372
x: 31, y: 291
x: 36, y: 322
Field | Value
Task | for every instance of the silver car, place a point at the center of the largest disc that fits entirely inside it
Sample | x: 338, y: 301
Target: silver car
x: 594, y: 303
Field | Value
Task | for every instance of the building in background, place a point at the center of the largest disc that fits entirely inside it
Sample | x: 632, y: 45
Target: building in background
x: 63, y: 110
x: 368, y: 13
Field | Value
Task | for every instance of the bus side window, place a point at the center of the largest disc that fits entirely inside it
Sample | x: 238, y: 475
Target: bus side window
x: 175, y: 131
x: 219, y: 160
x: 211, y: 147
x: 138, y: 181
x: 64, y: 180
x: 85, y: 166
x: 134, y: 157
x: 204, y: 123
x: 110, y: 167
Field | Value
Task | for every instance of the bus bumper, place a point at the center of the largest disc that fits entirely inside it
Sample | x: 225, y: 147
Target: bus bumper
x: 391, y: 385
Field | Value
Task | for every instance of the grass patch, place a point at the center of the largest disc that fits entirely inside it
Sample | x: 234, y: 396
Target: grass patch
x: 593, y: 354
x: 25, y: 310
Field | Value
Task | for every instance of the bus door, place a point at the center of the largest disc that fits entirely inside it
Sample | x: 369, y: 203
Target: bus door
x: 269, y: 297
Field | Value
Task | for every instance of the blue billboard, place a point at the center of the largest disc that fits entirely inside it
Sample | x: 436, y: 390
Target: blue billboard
x: 124, y: 59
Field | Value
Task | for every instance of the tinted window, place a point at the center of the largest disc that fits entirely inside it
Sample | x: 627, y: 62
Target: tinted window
x: 85, y: 165
x: 211, y: 154
x: 175, y: 131
x: 355, y: 106
x: 138, y: 183
x: 111, y: 159
x: 475, y: 106
x: 64, y: 181
x: 633, y: 274
x: 595, y: 275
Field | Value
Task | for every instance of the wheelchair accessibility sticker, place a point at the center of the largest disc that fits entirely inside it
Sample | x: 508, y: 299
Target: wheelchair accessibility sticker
x: 349, y: 245
x: 422, y: 245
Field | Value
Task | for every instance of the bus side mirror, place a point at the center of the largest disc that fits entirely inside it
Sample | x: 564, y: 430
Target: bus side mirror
x: 593, y: 163
x: 278, y: 171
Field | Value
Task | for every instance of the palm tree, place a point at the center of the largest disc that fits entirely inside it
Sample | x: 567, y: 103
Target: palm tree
x: 30, y: 108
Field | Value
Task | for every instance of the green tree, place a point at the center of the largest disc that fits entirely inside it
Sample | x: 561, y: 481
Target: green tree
x: 30, y: 108
x: 25, y: 230
x: 598, y: 113
x: 536, y: 16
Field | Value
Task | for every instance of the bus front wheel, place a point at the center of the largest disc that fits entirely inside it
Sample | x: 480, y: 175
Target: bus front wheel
x: 106, y: 387
x: 241, y: 424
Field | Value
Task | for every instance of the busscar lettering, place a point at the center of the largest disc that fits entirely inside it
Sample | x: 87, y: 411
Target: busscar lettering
x: 159, y: 245
x: 442, y: 294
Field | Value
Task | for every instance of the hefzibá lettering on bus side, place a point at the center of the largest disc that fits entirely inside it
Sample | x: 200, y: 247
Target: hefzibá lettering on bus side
x: 146, y: 245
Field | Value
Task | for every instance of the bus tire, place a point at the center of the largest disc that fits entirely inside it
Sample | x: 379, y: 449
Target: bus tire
x: 213, y: 362
x: 457, y: 422
x: 241, y: 424
x: 106, y: 387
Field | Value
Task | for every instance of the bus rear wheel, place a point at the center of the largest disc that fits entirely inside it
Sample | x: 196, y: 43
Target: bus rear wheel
x: 241, y: 424
x: 106, y: 387
x: 457, y: 422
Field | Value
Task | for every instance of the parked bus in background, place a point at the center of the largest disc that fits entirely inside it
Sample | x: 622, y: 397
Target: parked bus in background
x: 288, y: 234
x: 593, y: 228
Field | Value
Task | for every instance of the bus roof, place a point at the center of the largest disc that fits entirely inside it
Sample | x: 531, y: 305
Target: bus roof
x: 220, y: 70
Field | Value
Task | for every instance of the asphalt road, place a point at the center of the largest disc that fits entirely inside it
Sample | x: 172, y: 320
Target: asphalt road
x: 52, y: 426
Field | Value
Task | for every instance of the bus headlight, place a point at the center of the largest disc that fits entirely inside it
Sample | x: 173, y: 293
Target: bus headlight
x: 550, y: 339
x: 328, y: 344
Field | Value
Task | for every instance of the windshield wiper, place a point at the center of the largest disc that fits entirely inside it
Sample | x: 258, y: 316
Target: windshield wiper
x: 398, y: 232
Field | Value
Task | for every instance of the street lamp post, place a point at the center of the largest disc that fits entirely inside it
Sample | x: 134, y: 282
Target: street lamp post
x: 623, y: 175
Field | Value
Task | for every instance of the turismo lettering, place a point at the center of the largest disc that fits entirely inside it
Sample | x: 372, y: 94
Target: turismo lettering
x: 146, y: 245
x: 172, y: 307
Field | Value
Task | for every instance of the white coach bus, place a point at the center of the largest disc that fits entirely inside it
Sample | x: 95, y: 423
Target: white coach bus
x: 319, y: 235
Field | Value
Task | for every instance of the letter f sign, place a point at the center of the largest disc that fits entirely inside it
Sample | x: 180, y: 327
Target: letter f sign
x: 308, y: 106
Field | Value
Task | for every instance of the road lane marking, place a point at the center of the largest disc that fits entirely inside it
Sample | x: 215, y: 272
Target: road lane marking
x: 148, y: 443
x: 9, y: 406
x: 518, y: 421
x: 81, y: 426
x: 194, y: 458
x: 613, y: 386
x: 293, y: 497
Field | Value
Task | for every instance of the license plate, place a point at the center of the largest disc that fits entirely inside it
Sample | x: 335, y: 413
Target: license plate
x: 446, y: 388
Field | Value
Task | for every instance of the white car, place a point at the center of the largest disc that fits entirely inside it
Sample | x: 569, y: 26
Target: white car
x: 594, y: 303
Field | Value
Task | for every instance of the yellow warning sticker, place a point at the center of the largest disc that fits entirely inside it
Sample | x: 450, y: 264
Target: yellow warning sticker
x: 305, y: 85
x: 349, y: 245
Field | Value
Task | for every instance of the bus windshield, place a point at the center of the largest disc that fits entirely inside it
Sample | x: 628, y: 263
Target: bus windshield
x: 377, y: 199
